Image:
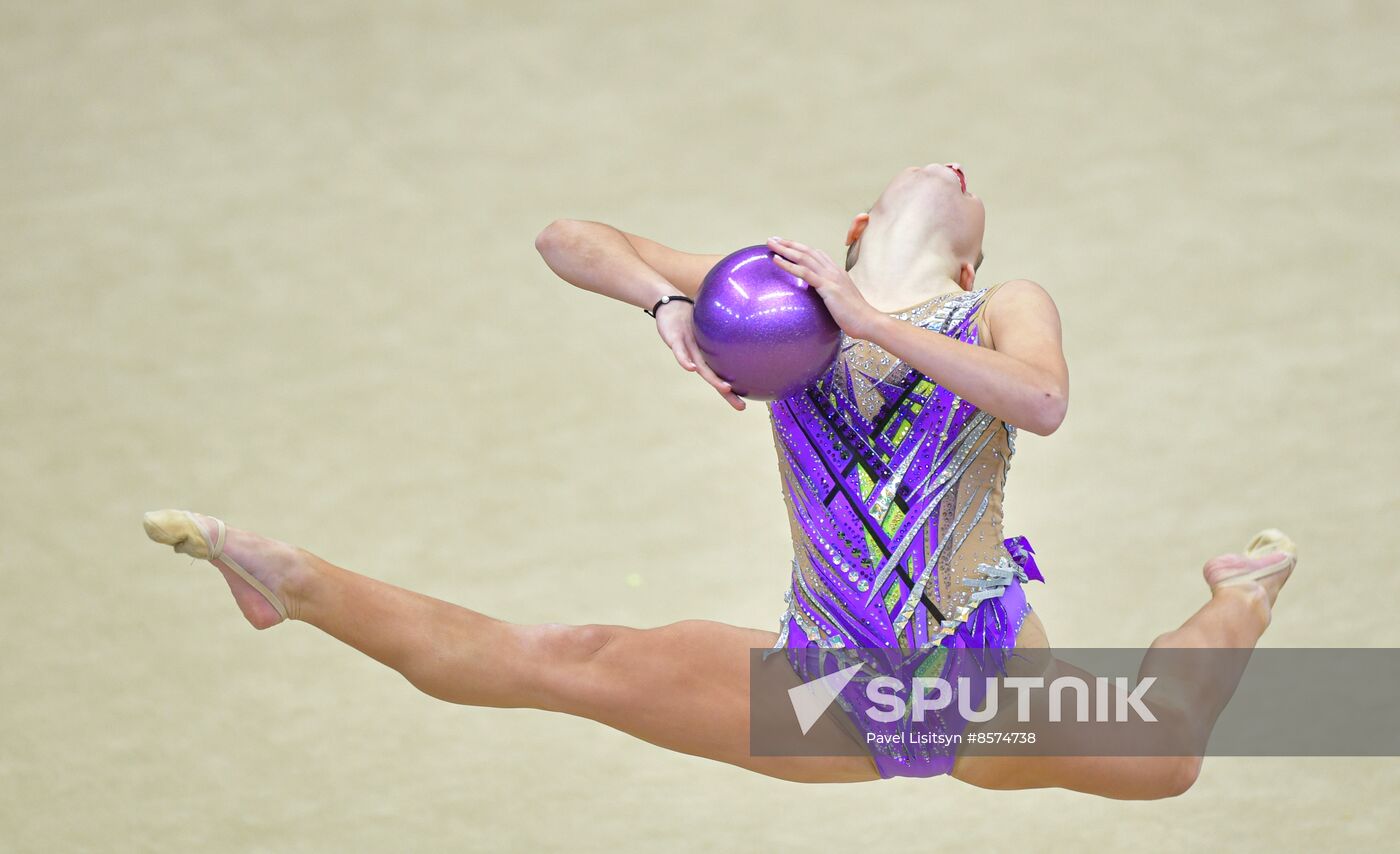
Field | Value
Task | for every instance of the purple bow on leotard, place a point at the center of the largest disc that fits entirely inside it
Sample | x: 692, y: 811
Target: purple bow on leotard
x: 1020, y: 550
x: 989, y: 626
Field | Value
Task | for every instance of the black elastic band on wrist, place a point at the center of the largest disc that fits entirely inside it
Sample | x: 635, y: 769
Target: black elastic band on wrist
x: 651, y: 312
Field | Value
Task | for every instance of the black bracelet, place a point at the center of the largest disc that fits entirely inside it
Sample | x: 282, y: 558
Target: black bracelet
x: 668, y: 298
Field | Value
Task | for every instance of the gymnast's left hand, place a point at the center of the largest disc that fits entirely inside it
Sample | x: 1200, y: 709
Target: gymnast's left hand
x: 833, y: 284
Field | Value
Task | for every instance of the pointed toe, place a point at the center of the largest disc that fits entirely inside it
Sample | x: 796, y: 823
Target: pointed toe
x: 1270, y: 540
x: 178, y: 529
x: 182, y: 531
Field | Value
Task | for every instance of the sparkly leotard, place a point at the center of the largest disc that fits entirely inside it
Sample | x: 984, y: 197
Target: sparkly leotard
x: 893, y: 486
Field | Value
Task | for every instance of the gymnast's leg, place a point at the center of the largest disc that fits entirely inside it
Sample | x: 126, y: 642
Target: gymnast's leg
x: 1233, y: 619
x: 684, y: 686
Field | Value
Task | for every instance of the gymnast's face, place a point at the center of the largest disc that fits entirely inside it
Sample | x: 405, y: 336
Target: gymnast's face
x: 929, y: 203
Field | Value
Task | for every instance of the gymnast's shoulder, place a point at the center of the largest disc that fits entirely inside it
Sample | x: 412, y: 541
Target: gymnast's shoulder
x: 1019, y: 305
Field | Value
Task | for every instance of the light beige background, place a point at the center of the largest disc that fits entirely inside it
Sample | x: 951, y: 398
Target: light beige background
x: 274, y: 261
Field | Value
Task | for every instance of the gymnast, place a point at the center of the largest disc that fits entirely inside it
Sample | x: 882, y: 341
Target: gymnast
x: 892, y: 466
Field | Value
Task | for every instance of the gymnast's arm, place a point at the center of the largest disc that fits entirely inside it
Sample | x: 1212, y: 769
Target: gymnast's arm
x: 637, y: 271
x: 602, y: 259
x: 1022, y: 380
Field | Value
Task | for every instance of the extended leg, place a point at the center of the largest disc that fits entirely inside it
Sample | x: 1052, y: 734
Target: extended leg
x: 684, y: 686
x: 1233, y: 619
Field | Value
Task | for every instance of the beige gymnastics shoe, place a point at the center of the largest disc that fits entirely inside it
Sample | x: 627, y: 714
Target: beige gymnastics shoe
x: 1266, y: 542
x: 180, y: 529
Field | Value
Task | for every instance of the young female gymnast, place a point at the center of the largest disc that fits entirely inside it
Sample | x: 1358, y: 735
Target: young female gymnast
x: 892, y: 465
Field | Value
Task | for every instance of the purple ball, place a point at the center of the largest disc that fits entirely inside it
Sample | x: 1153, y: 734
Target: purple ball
x: 760, y: 330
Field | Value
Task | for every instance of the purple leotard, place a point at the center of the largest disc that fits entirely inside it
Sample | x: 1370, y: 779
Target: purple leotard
x: 893, y: 486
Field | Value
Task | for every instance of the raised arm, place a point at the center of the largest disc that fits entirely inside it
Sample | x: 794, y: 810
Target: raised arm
x: 1022, y: 378
x: 599, y: 258
x: 632, y: 269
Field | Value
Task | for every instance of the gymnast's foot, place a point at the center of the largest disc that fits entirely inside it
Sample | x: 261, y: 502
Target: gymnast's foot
x: 265, y: 576
x: 1267, y: 564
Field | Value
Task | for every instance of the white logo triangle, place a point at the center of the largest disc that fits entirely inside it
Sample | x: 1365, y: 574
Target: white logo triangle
x: 811, y: 699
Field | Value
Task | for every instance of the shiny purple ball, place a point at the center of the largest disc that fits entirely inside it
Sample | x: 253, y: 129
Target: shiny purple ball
x: 760, y: 329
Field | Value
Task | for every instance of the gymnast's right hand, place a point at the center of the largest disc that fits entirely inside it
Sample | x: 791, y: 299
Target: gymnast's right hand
x: 675, y: 323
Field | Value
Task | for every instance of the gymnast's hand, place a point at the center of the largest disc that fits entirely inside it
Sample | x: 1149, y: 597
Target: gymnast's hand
x: 833, y: 284
x: 675, y: 323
